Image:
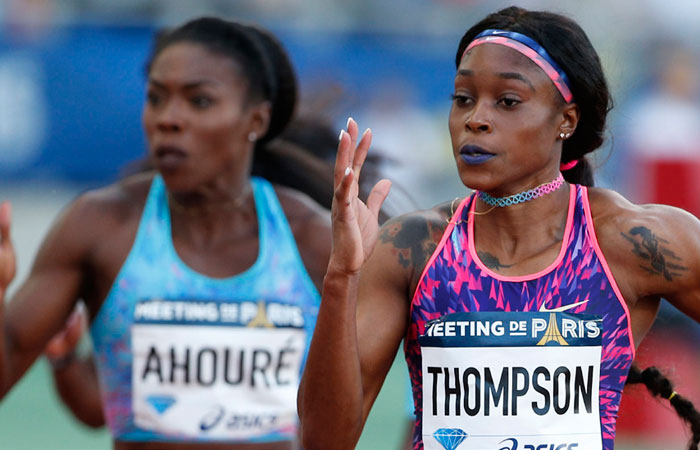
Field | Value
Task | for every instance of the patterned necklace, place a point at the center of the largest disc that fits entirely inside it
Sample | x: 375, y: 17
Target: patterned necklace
x: 525, y: 196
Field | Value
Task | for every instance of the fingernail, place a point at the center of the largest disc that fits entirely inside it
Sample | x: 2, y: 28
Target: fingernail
x: 347, y: 171
x: 349, y: 119
x: 366, y: 131
x: 341, y: 134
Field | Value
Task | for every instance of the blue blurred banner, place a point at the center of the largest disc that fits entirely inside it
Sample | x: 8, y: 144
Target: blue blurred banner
x: 70, y: 102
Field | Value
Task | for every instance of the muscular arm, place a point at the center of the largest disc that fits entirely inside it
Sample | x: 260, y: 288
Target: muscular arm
x: 360, y: 324
x: 44, y: 301
x: 360, y: 327
x: 667, y: 250
x: 75, y: 377
x: 363, y: 311
x: 653, y: 252
x: 77, y: 385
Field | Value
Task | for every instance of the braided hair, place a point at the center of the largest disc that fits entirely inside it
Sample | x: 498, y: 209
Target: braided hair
x: 660, y: 386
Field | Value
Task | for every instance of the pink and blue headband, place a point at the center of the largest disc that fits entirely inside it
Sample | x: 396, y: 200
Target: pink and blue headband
x: 530, y: 49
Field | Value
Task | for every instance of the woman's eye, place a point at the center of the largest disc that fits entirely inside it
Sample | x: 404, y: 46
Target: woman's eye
x: 201, y: 101
x: 509, y: 102
x: 152, y: 98
x: 460, y: 99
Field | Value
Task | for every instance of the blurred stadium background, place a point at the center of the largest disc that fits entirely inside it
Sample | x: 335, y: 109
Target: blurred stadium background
x: 71, y: 88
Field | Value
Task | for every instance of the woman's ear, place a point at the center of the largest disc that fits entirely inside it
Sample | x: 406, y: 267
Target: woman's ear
x: 259, y: 121
x: 569, y: 119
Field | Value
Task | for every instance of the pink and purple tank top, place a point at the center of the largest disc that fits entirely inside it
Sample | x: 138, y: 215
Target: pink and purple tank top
x: 529, y: 362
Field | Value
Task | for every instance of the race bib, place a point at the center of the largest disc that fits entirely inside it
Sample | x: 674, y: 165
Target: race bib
x: 207, y: 370
x: 512, y: 381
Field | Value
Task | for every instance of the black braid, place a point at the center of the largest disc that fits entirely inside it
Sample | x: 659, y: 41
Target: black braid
x: 660, y: 386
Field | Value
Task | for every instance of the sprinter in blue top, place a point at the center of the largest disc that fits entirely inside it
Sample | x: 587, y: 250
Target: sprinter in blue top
x: 201, y: 279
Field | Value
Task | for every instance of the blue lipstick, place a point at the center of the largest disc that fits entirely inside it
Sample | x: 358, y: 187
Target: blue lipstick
x: 474, y: 155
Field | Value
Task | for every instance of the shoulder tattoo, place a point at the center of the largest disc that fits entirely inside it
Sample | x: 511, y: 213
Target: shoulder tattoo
x: 658, y: 258
x: 414, y: 240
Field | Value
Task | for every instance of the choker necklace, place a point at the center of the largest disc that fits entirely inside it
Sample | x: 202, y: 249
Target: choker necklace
x: 236, y: 203
x: 525, y: 196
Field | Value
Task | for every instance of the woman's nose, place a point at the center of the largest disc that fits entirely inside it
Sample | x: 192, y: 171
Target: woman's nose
x: 477, y: 121
x: 170, y: 117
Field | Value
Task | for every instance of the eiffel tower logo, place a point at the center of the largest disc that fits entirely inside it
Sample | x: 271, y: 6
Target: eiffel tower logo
x: 260, y: 319
x: 552, y: 333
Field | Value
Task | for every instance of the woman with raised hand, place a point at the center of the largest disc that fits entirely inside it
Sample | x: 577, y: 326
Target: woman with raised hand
x: 520, y: 305
x: 201, y: 281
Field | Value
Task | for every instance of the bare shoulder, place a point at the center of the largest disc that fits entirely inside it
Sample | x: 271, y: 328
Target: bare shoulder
x: 299, y: 207
x: 407, y: 242
x: 311, y: 226
x: 307, y: 219
x: 95, y: 220
x: 118, y: 201
x: 657, y: 242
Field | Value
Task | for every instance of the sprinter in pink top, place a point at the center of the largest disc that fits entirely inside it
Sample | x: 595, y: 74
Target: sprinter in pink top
x: 521, y: 305
x: 578, y: 282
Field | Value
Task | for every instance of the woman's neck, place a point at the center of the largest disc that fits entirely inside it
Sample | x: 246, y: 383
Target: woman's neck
x: 521, y: 230
x: 214, y: 212
x: 220, y: 194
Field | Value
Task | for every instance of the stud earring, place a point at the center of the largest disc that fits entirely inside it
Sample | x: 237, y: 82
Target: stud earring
x: 562, y: 135
x: 252, y: 136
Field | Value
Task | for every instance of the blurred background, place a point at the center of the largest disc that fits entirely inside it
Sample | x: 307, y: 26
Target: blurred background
x: 72, y: 86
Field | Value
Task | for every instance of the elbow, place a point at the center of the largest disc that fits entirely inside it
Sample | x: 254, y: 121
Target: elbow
x: 94, y: 422
x: 322, y: 440
x: 322, y: 436
x: 327, y: 423
x: 5, y: 384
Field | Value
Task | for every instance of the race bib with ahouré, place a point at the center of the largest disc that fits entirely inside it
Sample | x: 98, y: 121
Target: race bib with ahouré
x: 511, y: 381
x: 216, y: 371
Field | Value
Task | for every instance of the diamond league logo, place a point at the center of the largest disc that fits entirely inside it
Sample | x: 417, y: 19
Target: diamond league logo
x: 450, y: 438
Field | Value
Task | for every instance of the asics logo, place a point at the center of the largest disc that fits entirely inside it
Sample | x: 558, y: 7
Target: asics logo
x: 561, y: 308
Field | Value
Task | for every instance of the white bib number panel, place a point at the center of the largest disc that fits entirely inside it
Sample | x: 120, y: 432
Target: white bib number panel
x: 215, y: 382
x: 506, y: 381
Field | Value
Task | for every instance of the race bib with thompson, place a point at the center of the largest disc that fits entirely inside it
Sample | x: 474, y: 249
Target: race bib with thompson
x: 511, y: 381
x: 216, y: 371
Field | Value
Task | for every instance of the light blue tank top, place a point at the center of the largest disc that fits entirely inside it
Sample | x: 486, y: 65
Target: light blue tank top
x: 185, y: 357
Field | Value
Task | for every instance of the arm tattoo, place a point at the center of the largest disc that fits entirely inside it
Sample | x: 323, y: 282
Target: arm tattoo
x: 654, y: 250
x: 414, y: 240
x: 492, y: 261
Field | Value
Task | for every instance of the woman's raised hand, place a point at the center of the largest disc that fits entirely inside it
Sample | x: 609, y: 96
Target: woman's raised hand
x: 7, y: 251
x: 355, y: 224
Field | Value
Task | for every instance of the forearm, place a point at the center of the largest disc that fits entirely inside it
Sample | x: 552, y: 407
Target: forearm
x: 76, y: 382
x: 13, y: 365
x: 331, y: 394
x: 4, y: 366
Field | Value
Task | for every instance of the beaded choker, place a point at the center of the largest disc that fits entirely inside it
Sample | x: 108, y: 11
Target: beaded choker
x: 526, y: 196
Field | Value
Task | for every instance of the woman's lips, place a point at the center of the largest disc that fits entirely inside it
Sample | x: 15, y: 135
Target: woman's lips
x: 474, y: 155
x: 169, y: 157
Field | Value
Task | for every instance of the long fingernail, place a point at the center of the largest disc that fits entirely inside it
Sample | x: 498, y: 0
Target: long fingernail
x: 349, y: 119
x: 366, y: 131
x: 347, y: 171
x: 341, y: 134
